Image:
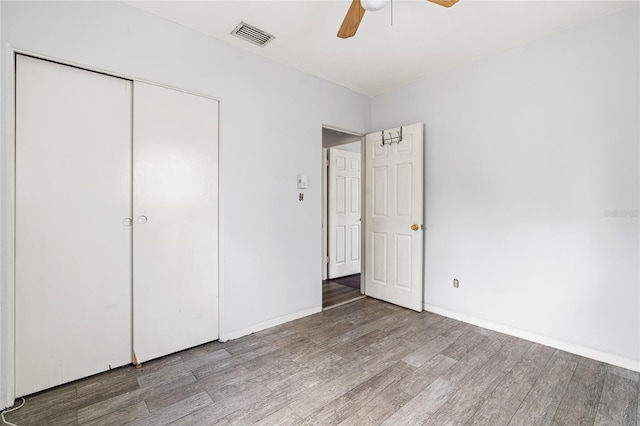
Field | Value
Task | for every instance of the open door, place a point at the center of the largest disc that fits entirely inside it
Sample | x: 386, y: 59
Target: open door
x: 344, y: 213
x: 394, y: 216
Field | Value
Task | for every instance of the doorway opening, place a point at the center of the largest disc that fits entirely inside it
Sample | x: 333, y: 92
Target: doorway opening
x: 341, y: 217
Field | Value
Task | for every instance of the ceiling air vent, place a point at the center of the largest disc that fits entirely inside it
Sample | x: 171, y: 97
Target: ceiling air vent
x: 252, y: 34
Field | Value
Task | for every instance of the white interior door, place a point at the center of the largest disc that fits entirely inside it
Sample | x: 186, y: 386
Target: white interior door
x: 344, y: 213
x: 394, y: 217
x: 73, y: 244
x: 175, y: 238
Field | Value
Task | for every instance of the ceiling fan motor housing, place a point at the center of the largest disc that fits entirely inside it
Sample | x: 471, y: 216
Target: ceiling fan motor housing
x: 373, y: 5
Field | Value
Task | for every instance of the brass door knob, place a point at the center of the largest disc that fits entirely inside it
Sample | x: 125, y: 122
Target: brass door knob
x: 415, y: 227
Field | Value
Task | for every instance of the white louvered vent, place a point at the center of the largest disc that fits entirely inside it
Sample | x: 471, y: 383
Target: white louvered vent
x: 252, y: 34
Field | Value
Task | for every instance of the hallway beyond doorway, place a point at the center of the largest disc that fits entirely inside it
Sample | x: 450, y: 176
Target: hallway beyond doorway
x: 341, y: 290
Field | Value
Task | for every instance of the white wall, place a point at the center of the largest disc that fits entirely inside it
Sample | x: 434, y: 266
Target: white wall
x: 271, y: 127
x: 4, y: 402
x: 525, y: 155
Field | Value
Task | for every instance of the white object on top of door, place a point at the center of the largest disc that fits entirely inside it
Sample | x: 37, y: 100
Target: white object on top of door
x: 394, y: 216
x: 175, y: 212
x: 344, y: 213
x: 73, y: 196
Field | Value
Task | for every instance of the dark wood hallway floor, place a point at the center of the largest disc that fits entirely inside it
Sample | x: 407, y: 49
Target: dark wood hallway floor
x: 340, y: 290
x: 362, y: 363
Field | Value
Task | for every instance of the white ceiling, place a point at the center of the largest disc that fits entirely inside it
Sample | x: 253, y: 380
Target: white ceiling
x: 425, y: 39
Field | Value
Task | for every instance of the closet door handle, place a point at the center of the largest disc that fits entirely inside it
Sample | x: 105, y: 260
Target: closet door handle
x: 127, y: 221
x: 142, y: 219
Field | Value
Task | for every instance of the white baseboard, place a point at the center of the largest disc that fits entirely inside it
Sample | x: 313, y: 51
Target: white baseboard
x: 619, y: 361
x: 268, y: 324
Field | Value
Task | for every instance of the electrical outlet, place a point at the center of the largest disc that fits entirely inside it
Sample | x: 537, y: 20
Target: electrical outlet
x: 456, y: 283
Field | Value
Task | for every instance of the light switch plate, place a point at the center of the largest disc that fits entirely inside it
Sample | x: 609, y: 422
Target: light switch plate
x: 303, y: 181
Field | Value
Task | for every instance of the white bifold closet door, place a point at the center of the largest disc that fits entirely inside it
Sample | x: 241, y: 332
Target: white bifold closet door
x: 73, y: 245
x: 175, y: 213
x: 116, y: 222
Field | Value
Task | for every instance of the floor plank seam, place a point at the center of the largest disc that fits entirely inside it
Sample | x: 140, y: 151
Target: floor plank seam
x: 533, y: 385
x: 564, y: 394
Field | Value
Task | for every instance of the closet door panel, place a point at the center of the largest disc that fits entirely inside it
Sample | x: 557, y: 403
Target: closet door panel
x: 175, y: 221
x: 73, y: 253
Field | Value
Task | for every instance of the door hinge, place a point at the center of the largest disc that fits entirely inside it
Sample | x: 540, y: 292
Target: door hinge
x: 327, y: 259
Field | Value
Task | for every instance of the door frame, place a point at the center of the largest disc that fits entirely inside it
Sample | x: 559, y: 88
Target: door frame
x: 325, y: 202
x: 8, y: 202
x: 363, y: 198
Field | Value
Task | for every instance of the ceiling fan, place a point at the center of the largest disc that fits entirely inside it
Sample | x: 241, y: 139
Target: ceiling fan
x: 356, y: 12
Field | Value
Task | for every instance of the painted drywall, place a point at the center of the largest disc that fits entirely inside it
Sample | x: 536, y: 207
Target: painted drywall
x: 4, y: 400
x: 271, y: 130
x: 331, y: 137
x: 531, y: 186
x: 352, y: 147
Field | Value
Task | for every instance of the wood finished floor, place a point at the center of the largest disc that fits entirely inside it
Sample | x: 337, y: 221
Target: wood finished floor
x: 334, y: 293
x: 362, y: 363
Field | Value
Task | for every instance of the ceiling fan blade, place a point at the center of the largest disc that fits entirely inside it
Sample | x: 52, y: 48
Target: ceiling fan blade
x: 445, y: 3
x: 352, y: 20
